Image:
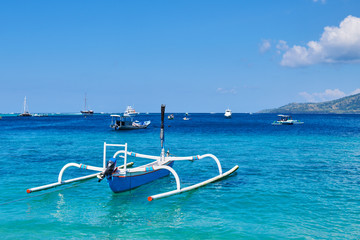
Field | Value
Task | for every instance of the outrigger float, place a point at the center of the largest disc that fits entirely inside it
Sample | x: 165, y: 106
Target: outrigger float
x: 126, y: 177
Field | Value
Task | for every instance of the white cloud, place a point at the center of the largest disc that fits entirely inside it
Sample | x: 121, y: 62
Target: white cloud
x: 308, y: 97
x: 226, y: 91
x: 265, y: 46
x: 336, y: 45
x: 356, y: 91
x: 281, y: 46
x: 327, y: 95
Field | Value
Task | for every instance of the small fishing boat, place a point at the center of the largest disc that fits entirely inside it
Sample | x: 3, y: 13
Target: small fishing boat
x: 286, y: 120
x: 124, y: 177
x: 127, y: 122
x: 26, y: 112
x: 228, y: 113
x: 40, y: 115
x: 171, y: 117
x: 186, y: 118
x: 86, y: 111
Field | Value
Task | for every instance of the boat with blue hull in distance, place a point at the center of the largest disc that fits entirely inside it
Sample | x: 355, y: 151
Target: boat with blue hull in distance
x: 286, y: 120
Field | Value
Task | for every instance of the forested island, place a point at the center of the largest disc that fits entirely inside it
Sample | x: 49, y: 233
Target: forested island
x: 345, y: 105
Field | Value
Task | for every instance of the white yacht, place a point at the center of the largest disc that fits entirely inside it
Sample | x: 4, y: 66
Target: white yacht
x: 228, y: 113
x: 130, y: 111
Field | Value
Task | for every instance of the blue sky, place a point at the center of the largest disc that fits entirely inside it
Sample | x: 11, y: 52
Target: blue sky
x: 194, y: 56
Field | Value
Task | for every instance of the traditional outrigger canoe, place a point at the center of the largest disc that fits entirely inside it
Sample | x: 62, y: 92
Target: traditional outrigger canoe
x: 125, y: 177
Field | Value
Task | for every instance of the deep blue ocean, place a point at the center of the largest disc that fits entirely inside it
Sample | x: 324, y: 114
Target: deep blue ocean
x: 293, y: 182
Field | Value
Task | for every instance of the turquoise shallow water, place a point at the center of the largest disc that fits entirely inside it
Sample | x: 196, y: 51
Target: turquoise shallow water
x: 293, y: 182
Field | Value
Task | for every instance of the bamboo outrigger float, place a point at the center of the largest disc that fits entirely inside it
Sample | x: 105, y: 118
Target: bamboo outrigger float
x: 124, y: 177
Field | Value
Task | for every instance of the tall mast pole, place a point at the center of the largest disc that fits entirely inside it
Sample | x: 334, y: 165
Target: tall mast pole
x: 162, y: 138
x: 85, y: 103
x: 24, y: 104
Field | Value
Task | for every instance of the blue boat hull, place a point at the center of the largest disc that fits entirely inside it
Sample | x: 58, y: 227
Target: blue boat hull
x: 124, y: 183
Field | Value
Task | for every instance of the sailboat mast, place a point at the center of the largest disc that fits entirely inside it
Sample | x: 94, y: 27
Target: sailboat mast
x: 85, y: 103
x: 24, y: 105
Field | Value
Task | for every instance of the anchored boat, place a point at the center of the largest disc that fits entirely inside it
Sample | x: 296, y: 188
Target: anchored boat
x: 124, y: 177
x: 186, y: 118
x: 86, y: 111
x: 127, y: 122
x: 26, y: 112
x: 228, y: 113
x: 286, y: 120
x: 130, y: 111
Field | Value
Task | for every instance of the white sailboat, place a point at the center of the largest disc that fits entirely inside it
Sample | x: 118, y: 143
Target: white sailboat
x: 87, y: 112
x: 26, y: 112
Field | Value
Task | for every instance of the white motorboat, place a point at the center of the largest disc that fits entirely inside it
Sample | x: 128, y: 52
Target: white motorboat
x: 130, y: 111
x: 228, y: 113
x: 286, y: 120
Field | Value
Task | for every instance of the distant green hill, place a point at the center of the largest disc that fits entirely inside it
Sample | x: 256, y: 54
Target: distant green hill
x: 345, y: 105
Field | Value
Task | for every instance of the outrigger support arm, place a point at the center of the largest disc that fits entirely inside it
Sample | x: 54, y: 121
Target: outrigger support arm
x: 61, y: 182
x: 177, y: 191
x: 178, y: 188
x: 198, y: 157
x: 173, y: 172
x: 79, y: 166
